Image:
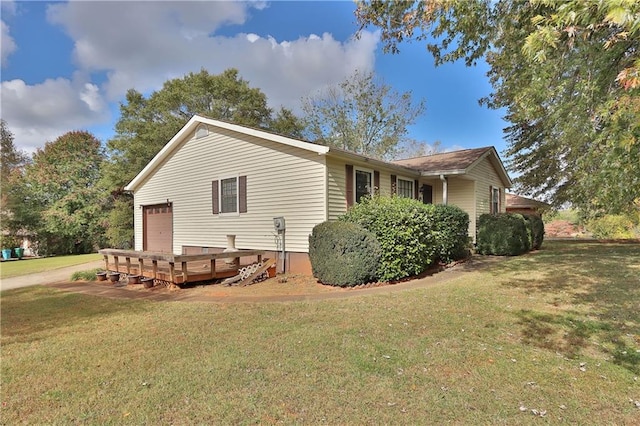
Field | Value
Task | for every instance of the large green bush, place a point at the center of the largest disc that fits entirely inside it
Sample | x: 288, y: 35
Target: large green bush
x: 613, y: 227
x: 451, y: 229
x: 343, y: 254
x: 402, y: 226
x: 536, y: 227
x: 504, y: 234
x: 412, y: 235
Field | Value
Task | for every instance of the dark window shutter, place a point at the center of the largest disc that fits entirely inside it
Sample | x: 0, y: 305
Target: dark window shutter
x: 394, y: 184
x: 214, y: 197
x: 416, y: 190
x: 491, y: 200
x: 349, y: 184
x: 376, y: 183
x: 242, y: 194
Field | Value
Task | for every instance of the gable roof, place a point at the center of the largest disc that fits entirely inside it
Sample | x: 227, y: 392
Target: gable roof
x: 449, y: 163
x: 171, y: 146
x: 457, y: 163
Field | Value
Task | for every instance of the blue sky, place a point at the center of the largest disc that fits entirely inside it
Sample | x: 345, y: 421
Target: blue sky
x: 66, y: 66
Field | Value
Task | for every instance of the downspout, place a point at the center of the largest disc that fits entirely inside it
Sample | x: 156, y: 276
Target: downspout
x: 445, y: 189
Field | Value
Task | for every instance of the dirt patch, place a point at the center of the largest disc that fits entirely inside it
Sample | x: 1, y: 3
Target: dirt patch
x: 564, y: 229
x: 281, y: 285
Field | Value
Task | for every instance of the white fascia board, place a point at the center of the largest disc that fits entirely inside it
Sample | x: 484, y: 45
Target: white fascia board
x: 497, y: 162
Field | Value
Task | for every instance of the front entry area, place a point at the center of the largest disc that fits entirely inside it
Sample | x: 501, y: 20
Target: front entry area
x: 158, y: 228
x: 427, y: 194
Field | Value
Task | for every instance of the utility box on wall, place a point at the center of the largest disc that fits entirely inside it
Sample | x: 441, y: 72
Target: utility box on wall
x: 279, y: 224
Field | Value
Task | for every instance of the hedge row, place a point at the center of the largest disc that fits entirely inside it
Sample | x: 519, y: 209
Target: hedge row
x: 509, y: 234
x: 411, y: 235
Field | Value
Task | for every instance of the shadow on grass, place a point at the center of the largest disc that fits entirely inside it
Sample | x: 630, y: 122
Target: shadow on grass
x: 28, y: 312
x: 596, y: 286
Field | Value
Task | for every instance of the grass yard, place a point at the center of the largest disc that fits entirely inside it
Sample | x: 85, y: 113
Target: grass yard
x: 551, y: 337
x: 16, y: 268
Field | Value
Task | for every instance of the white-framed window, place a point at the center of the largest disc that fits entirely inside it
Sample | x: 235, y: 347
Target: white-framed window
x: 495, y: 200
x: 229, y: 195
x: 363, y: 183
x: 404, y: 188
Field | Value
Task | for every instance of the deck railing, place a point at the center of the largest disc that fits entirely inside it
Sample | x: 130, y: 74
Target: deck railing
x: 182, y: 275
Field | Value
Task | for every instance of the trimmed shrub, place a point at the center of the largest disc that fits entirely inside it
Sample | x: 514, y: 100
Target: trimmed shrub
x: 536, y: 227
x: 451, y: 228
x: 404, y: 229
x: 343, y: 254
x: 504, y: 234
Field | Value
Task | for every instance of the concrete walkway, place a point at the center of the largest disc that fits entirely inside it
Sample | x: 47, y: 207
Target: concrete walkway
x: 47, y: 277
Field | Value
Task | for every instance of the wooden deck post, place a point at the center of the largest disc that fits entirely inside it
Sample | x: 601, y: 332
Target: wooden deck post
x: 184, y: 272
x: 155, y: 269
x: 128, y: 260
x: 116, y: 262
x: 213, y: 268
x: 172, y: 272
x: 141, y: 267
x: 106, y: 263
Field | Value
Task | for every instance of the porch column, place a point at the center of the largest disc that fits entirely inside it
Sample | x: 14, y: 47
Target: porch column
x: 445, y: 189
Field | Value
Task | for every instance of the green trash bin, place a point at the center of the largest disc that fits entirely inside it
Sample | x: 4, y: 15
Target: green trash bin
x: 19, y: 252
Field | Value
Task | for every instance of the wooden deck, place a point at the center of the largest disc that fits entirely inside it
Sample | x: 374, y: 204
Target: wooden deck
x: 178, y: 269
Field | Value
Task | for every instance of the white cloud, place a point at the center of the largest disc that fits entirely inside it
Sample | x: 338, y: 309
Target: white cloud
x: 142, y: 44
x: 160, y: 40
x: 8, y: 44
x: 39, y: 113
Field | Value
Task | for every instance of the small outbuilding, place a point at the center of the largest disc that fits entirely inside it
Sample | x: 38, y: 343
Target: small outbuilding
x: 524, y: 205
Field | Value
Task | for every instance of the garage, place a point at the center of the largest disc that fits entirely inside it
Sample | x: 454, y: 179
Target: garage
x: 158, y: 228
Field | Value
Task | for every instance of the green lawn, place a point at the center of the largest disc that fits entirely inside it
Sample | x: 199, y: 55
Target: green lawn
x: 16, y: 268
x: 550, y: 337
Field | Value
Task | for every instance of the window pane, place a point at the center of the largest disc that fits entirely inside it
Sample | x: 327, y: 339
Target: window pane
x: 496, y: 200
x: 363, y: 184
x: 229, y: 195
x: 405, y: 188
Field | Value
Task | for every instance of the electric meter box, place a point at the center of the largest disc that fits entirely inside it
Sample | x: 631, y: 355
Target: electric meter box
x: 279, y: 224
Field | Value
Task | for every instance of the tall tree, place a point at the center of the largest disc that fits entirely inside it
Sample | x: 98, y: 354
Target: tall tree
x: 12, y: 162
x: 568, y: 74
x: 362, y: 115
x: 148, y: 123
x: 59, y: 187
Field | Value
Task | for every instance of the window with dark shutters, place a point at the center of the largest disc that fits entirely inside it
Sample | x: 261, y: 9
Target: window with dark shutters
x: 214, y: 197
x: 229, y: 195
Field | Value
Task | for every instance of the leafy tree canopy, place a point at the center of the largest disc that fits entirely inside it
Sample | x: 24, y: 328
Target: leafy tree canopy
x: 361, y: 115
x: 61, y: 203
x: 12, y: 162
x: 568, y: 75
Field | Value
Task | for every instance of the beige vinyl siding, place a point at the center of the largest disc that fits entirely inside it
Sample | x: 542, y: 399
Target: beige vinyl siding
x: 281, y: 181
x: 462, y: 194
x: 336, y: 188
x: 486, y: 176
